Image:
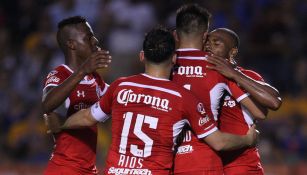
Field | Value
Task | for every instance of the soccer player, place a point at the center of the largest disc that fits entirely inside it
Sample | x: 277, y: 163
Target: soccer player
x: 69, y: 88
x: 224, y: 43
x: 194, y: 157
x: 148, y: 113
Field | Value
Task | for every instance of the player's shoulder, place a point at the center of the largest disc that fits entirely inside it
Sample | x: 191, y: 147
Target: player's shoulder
x: 184, y: 93
x: 61, y: 69
x: 251, y: 73
x: 126, y: 80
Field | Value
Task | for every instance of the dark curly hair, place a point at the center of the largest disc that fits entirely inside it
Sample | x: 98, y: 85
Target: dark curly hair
x: 159, y: 45
x: 192, y: 18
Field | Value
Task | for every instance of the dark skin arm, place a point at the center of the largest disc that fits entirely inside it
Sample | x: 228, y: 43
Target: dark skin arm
x: 53, y: 121
x: 55, y: 96
x: 264, y: 94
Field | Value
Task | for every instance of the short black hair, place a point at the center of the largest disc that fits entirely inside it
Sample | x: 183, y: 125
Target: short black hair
x: 159, y: 45
x: 61, y: 36
x: 234, y: 36
x: 71, y: 21
x: 192, y: 18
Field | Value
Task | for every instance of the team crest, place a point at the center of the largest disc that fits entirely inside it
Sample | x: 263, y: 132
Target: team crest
x: 52, y: 73
x: 201, y: 109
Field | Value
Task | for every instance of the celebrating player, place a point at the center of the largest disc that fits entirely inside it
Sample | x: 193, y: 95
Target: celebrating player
x: 208, y: 85
x: 148, y: 113
x: 224, y: 43
x: 69, y: 88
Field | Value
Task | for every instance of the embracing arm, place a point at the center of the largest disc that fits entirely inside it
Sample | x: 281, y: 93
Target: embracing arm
x: 263, y: 93
x: 53, y: 122
x: 80, y: 119
x: 221, y: 141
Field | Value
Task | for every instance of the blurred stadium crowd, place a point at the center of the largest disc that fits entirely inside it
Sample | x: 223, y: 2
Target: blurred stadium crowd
x: 273, y: 37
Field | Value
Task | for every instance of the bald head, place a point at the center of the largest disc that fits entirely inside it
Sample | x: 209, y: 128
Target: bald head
x: 228, y: 34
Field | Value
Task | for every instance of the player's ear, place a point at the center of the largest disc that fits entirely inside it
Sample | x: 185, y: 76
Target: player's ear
x: 175, y: 36
x: 142, y: 57
x: 205, y: 35
x: 174, y: 58
x: 70, y: 44
x: 233, y: 52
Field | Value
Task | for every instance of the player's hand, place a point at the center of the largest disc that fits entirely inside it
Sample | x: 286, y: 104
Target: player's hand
x: 53, y: 123
x: 99, y: 59
x: 222, y: 65
x: 252, y: 136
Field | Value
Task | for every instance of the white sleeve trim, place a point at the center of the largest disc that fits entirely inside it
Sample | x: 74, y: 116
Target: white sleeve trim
x: 51, y: 84
x: 207, y: 133
x: 242, y: 97
x: 98, y: 114
x: 106, y: 87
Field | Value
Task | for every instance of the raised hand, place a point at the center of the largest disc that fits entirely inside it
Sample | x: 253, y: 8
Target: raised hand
x: 99, y: 59
x: 222, y: 65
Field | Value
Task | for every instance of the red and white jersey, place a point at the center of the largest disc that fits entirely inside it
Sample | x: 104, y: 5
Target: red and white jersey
x: 235, y: 119
x: 76, y: 148
x: 209, y: 86
x: 147, y: 116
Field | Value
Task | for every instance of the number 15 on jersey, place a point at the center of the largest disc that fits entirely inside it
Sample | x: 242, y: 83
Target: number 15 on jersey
x: 137, y: 130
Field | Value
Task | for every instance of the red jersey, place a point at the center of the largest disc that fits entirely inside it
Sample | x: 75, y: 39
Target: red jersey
x: 209, y: 86
x: 235, y: 119
x: 147, y: 116
x: 76, y: 148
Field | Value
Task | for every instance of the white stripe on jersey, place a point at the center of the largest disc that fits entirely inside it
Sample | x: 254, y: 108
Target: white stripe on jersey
x: 48, y: 85
x: 150, y: 87
x: 102, y: 92
x: 192, y: 58
x: 242, y: 97
x: 247, y: 116
x: 177, y: 129
x: 97, y: 113
x: 68, y: 68
x: 208, y: 132
x: 155, y: 78
x: 216, y: 94
x: 87, y: 82
x: 187, y: 49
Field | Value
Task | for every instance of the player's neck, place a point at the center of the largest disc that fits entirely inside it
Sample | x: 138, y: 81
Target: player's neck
x: 73, y: 63
x: 158, y: 71
x: 194, y: 45
x: 73, y: 66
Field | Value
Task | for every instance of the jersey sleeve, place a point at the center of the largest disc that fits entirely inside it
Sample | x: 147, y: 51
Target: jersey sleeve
x: 237, y: 92
x: 55, y: 78
x: 103, y: 108
x: 253, y: 75
x: 201, y: 123
x: 103, y: 86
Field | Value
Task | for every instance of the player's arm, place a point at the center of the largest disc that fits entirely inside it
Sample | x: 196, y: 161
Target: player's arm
x: 263, y: 93
x: 221, y: 141
x: 56, y: 95
x: 256, y: 110
x: 53, y: 122
x: 82, y: 118
x: 90, y: 116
